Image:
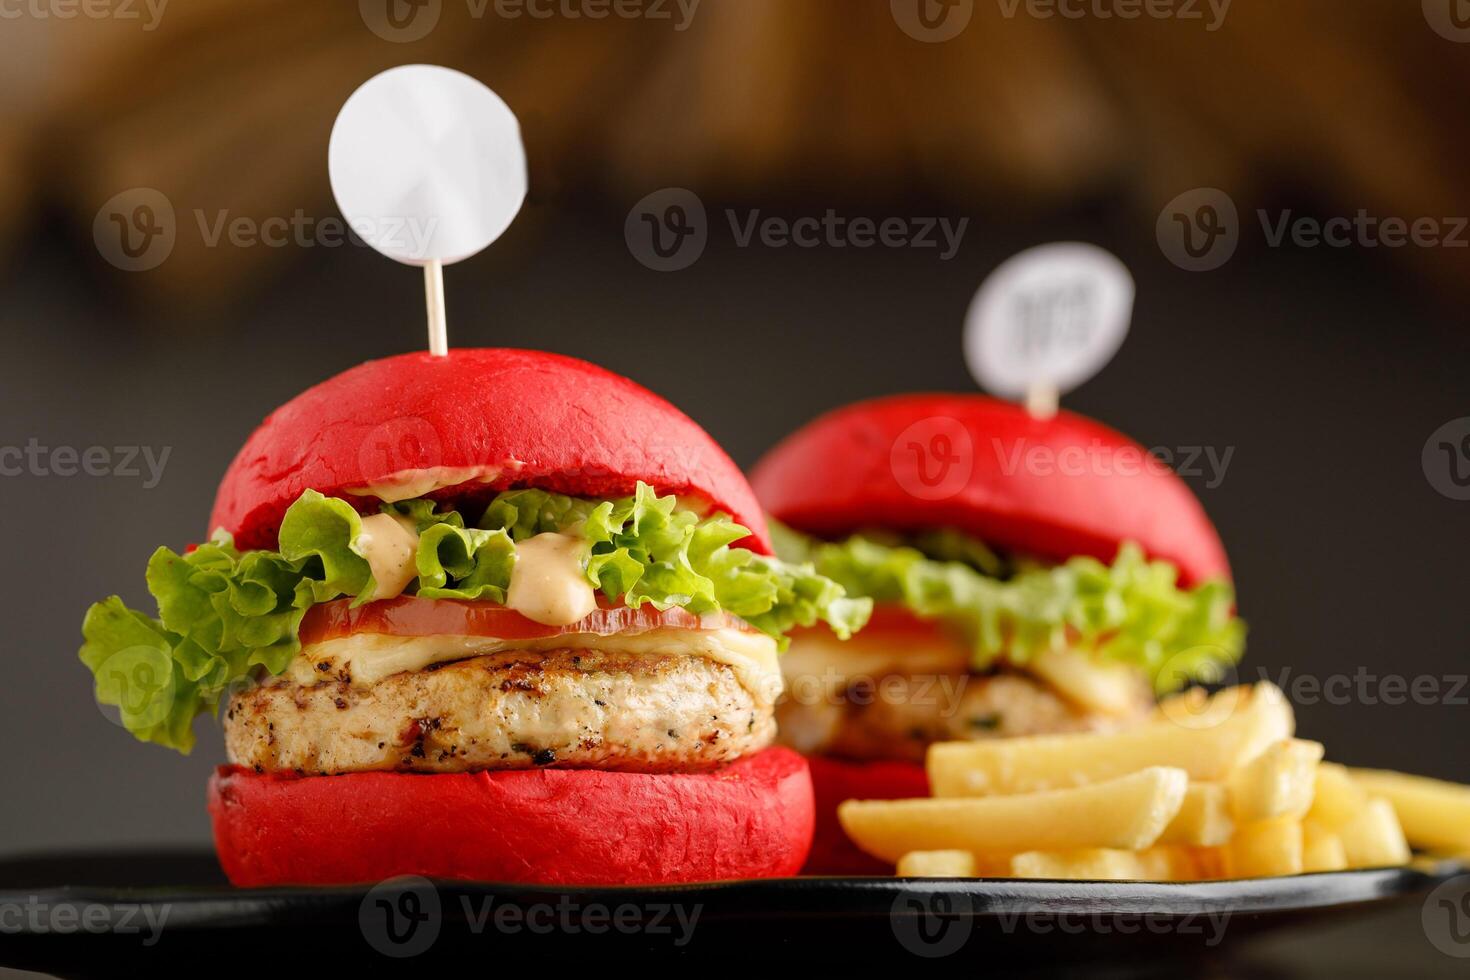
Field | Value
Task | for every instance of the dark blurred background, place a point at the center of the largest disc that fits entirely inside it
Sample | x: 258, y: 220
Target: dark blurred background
x: 1323, y: 368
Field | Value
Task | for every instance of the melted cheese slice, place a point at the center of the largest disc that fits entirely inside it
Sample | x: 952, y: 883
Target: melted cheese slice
x: 816, y: 654
x: 369, y: 657
x: 818, y: 658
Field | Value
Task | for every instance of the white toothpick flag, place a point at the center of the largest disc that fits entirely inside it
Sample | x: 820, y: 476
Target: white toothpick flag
x: 428, y: 168
x: 1047, y: 320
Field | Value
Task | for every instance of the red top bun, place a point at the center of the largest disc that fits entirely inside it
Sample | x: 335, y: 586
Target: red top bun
x: 488, y: 419
x: 1052, y: 488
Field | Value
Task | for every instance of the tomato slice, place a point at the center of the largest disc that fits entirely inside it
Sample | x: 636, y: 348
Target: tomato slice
x: 890, y: 620
x: 412, y: 616
x: 891, y: 617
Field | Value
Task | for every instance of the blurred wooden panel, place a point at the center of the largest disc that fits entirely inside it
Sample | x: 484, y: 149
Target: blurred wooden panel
x: 225, y: 107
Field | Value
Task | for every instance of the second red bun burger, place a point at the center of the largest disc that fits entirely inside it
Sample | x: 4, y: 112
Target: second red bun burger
x: 498, y: 614
x: 1030, y: 576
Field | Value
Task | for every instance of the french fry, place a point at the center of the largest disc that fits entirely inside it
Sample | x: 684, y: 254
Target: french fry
x: 1212, y: 787
x: 1265, y: 849
x: 1435, y: 815
x: 1337, y: 797
x: 1102, y: 686
x: 1322, y: 849
x: 936, y: 864
x: 1194, y: 709
x: 1175, y: 863
x: 1203, y: 819
x: 1277, y: 783
x: 1029, y: 764
x: 1374, y: 839
x: 1191, y: 701
x: 1209, y: 862
x: 1128, y: 813
x: 1104, y: 864
x: 1090, y: 864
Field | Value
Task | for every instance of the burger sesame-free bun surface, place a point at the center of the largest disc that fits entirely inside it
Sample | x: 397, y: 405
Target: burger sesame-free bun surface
x: 835, y: 780
x: 497, y: 418
x: 1052, y: 488
x: 752, y: 818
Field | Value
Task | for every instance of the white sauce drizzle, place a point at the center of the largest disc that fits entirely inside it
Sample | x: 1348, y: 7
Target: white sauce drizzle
x: 548, y: 584
x: 389, y: 542
x: 409, y: 484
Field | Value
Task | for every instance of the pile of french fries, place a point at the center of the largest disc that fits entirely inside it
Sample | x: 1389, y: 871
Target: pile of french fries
x: 1211, y: 787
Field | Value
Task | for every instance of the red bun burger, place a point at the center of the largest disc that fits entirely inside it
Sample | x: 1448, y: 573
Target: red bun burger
x: 474, y: 422
x: 1030, y: 576
x: 498, y: 615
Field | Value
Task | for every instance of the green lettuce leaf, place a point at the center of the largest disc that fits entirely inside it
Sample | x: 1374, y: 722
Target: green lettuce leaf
x: 1132, y: 611
x: 228, y: 618
x: 647, y: 548
x: 224, y: 618
x: 459, y: 563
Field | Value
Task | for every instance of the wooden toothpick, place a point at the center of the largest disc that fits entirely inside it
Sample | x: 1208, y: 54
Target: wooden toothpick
x: 434, y: 298
x: 1042, y: 400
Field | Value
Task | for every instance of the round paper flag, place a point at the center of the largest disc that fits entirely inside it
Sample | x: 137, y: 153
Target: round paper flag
x: 1048, y: 318
x: 427, y: 164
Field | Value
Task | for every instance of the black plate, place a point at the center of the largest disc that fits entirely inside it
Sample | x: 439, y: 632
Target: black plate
x: 107, y: 914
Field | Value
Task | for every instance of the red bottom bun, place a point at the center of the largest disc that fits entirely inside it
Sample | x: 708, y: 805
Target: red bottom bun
x: 752, y: 818
x: 835, y: 780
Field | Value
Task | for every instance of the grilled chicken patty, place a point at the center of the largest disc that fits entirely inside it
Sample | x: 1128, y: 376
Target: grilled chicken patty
x: 897, y: 716
x: 516, y: 709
